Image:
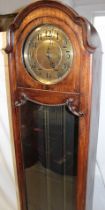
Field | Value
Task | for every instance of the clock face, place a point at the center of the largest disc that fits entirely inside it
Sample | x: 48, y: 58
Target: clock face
x: 48, y: 54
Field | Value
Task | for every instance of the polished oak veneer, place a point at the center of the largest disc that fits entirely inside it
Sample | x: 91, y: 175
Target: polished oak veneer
x: 55, y: 126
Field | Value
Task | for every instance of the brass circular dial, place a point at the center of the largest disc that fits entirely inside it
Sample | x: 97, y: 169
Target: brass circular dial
x: 48, y: 54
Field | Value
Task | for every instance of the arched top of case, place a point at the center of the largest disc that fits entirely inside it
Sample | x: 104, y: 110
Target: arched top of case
x: 90, y: 36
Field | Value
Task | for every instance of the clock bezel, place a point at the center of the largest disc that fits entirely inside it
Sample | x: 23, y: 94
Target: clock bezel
x: 26, y: 63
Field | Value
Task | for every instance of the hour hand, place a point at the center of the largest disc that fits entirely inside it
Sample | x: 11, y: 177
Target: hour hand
x: 49, y: 56
x: 48, y: 53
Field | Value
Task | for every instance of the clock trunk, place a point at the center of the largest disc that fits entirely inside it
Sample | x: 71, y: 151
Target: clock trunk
x: 49, y: 136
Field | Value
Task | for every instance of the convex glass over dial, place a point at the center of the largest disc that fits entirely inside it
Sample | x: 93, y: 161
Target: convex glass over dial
x: 48, y: 54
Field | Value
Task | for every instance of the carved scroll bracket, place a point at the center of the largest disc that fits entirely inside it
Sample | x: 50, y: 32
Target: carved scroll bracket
x: 73, y: 108
x: 70, y: 103
x: 21, y: 101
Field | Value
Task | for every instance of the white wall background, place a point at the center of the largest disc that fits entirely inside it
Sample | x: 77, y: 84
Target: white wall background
x: 99, y: 22
x: 8, y: 189
x: 90, y: 9
x: 90, y: 12
x: 10, y: 6
x: 88, y: 2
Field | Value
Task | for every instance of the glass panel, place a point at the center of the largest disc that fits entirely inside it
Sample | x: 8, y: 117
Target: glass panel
x: 49, y: 138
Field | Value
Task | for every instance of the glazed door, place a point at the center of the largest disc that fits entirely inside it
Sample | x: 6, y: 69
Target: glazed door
x: 49, y: 140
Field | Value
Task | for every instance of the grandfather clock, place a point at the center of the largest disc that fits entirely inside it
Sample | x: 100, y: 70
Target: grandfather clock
x: 54, y: 67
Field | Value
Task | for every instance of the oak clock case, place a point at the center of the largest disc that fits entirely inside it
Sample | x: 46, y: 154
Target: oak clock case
x: 53, y: 75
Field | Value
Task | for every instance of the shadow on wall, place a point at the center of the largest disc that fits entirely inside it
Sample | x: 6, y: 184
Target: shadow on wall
x: 8, y: 197
x: 7, y: 190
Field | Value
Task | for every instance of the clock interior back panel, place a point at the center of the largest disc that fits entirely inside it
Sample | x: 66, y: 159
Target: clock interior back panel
x: 49, y: 141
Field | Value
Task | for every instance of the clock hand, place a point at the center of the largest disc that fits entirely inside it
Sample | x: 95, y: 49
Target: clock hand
x: 48, y: 53
x: 50, y: 61
x: 49, y: 56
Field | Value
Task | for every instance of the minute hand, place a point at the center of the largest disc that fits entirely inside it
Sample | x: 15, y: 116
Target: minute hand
x: 49, y: 56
